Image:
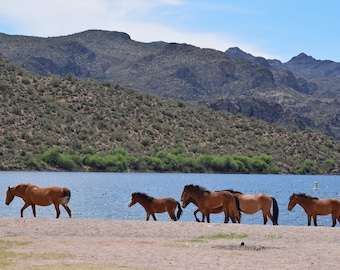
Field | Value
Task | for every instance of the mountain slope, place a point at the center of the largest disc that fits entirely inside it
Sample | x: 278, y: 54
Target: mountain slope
x: 39, y: 113
x: 180, y: 71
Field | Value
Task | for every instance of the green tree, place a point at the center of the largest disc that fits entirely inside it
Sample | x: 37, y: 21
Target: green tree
x: 328, y: 165
x: 51, y: 156
x: 308, y: 167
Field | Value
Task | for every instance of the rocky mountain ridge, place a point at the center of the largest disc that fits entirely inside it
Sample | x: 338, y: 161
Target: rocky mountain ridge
x: 301, y: 93
x: 300, y: 64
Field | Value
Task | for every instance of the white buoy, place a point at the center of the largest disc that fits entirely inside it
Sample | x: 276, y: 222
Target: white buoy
x: 316, y: 185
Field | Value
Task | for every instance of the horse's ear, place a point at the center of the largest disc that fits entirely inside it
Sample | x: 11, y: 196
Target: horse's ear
x: 9, y: 188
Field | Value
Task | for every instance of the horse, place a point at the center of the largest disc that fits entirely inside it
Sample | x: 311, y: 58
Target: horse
x: 152, y: 205
x: 207, y: 201
x: 249, y: 204
x: 211, y: 211
x: 34, y: 195
x: 252, y: 203
x: 314, y: 206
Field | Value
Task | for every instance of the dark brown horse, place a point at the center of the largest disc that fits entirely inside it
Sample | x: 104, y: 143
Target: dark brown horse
x: 252, y: 203
x: 314, y: 206
x: 152, y: 205
x: 207, y: 201
x: 34, y: 195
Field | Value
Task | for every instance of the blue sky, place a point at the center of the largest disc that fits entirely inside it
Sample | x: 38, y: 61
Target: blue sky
x: 273, y: 29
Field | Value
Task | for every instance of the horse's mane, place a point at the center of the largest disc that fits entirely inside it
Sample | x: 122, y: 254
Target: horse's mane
x: 198, y: 187
x: 142, y: 194
x: 304, y: 195
x: 232, y: 191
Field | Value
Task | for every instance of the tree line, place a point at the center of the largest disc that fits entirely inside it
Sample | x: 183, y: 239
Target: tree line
x: 118, y: 160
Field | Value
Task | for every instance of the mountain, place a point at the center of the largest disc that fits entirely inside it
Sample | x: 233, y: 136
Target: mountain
x: 81, y: 124
x: 300, y: 64
x: 166, y: 69
x: 253, y: 86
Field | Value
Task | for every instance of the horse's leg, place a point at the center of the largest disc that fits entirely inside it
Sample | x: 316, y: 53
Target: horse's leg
x: 154, y: 217
x: 309, y: 219
x: 33, y: 210
x: 147, y: 216
x: 227, y: 215
x: 195, y: 214
x: 265, y: 218
x: 207, y: 214
x: 226, y: 219
x: 172, y: 215
x: 333, y: 220
x: 23, y: 208
x: 232, y: 217
x: 315, y: 221
x: 68, y: 210
x: 238, y: 217
x: 266, y: 213
x: 57, y: 209
x: 271, y: 218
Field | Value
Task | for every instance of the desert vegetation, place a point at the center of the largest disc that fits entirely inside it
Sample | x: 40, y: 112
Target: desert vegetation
x: 66, y: 123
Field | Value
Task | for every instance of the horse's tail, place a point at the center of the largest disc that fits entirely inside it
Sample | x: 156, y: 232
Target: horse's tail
x: 66, y: 195
x: 237, y: 202
x: 275, y: 211
x: 180, y: 211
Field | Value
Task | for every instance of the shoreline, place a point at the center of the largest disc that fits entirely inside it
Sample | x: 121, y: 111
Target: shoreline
x: 169, y: 245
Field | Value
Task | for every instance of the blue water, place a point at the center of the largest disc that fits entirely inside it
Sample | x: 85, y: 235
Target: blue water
x: 105, y: 195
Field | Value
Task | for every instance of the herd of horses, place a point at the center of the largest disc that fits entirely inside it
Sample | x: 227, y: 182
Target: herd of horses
x: 231, y: 203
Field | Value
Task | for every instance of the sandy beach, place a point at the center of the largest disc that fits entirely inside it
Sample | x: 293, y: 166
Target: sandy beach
x: 38, y: 243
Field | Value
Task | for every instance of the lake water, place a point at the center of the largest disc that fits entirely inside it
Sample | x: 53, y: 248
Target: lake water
x: 105, y: 195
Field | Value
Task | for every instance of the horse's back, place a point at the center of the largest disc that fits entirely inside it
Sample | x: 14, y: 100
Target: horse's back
x: 164, y: 204
x: 324, y: 206
x: 48, y: 190
x: 217, y: 199
x: 220, y: 194
x: 252, y: 203
x: 49, y: 195
x: 253, y: 198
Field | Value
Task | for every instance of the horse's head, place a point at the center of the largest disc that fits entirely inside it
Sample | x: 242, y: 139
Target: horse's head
x: 185, y: 195
x: 138, y: 197
x: 292, y: 201
x: 192, y: 191
x: 188, y: 201
x: 132, y: 200
x: 9, y: 195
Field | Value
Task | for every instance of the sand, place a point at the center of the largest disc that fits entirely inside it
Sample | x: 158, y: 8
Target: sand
x: 111, y: 244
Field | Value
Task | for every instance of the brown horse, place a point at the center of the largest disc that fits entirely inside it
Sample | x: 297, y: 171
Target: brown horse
x: 211, y: 211
x: 152, y: 205
x: 314, y: 206
x: 206, y: 201
x: 252, y: 203
x: 34, y: 195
